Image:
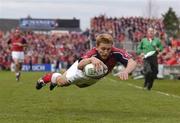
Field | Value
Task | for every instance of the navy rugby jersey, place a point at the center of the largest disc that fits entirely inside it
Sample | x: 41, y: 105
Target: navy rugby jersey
x: 116, y: 55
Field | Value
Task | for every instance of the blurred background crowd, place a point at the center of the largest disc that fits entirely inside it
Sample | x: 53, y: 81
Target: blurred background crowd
x: 65, y: 47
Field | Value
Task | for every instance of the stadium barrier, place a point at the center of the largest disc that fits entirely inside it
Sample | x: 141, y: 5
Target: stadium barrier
x: 165, y: 71
x: 37, y: 67
x: 172, y: 71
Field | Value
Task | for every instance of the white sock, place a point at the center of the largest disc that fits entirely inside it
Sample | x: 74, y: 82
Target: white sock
x: 54, y: 77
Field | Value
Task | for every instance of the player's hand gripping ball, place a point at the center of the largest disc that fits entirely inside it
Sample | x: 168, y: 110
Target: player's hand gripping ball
x: 90, y: 71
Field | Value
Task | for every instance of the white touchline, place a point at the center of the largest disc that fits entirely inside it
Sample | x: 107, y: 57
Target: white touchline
x: 138, y: 87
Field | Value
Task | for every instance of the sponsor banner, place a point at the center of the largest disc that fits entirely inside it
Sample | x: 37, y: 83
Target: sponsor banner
x: 36, y: 67
x: 29, y: 23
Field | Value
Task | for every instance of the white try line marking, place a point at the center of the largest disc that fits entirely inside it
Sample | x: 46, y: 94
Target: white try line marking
x: 138, y: 87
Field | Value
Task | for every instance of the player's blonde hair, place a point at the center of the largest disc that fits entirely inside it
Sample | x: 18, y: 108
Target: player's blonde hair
x: 104, y: 38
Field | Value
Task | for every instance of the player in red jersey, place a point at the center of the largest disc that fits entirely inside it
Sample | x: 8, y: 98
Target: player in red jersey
x: 104, y: 54
x: 17, y: 47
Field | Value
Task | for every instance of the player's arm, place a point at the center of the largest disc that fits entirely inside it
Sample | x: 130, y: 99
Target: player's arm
x: 97, y: 63
x: 131, y: 65
x: 83, y: 63
x: 24, y: 42
x: 128, y: 62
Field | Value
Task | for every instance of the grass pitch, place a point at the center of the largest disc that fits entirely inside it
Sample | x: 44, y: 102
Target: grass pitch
x: 108, y: 101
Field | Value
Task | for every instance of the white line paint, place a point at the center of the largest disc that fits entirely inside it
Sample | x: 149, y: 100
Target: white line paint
x: 138, y: 87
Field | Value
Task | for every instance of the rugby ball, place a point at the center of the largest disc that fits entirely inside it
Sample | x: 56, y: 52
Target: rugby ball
x: 90, y: 71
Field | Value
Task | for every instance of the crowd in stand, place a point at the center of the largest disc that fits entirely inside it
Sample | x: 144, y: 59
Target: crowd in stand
x: 171, y: 53
x: 66, y: 47
x: 129, y: 28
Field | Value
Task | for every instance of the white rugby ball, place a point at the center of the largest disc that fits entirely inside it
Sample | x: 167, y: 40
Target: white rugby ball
x: 90, y: 71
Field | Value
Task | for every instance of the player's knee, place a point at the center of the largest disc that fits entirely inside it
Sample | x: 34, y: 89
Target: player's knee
x: 55, y: 77
x: 60, y: 79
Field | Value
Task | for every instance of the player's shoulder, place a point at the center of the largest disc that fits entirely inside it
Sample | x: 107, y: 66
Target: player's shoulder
x: 121, y: 52
x: 92, y: 52
x: 117, y: 50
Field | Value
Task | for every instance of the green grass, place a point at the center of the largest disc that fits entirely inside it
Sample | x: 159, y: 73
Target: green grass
x: 108, y: 101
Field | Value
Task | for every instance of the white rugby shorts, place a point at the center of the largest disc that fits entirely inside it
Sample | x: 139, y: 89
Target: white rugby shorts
x: 76, y: 76
x: 19, y: 55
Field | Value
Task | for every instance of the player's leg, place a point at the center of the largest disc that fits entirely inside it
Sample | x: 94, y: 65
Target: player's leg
x: 44, y: 80
x: 69, y: 77
x: 15, y: 60
x: 73, y: 76
x: 17, y: 67
x: 53, y: 79
x: 20, y: 63
x: 58, y: 79
x: 18, y: 58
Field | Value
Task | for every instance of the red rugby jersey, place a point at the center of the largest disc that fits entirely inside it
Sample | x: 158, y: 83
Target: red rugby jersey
x: 116, y: 55
x: 15, y: 40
